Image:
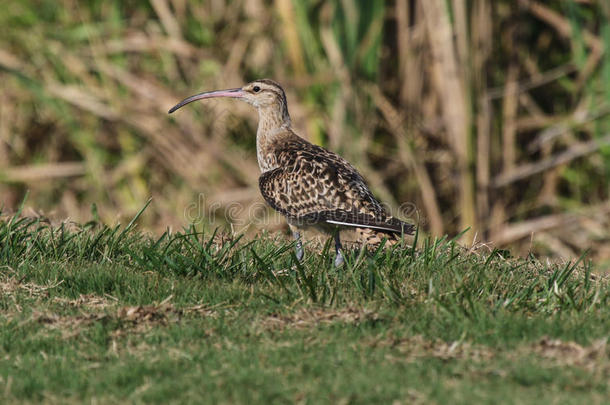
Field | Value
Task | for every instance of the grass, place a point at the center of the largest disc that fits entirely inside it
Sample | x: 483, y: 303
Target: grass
x: 86, y: 91
x: 93, y: 313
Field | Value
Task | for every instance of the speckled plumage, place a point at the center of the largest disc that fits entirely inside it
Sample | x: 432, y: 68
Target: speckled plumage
x: 306, y: 183
x: 311, y: 185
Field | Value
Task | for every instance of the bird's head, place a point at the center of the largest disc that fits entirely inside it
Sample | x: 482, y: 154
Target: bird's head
x: 263, y: 94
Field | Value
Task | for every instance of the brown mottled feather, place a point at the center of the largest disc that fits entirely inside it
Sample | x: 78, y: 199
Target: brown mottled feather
x: 311, y: 185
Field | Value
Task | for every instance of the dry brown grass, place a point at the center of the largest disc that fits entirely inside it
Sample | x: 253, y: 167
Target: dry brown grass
x: 313, y: 317
x: 568, y: 353
x: 466, y: 116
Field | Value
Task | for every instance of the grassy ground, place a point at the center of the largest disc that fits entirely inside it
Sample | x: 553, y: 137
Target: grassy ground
x: 112, y: 315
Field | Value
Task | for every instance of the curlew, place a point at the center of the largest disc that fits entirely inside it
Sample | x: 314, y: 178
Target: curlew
x: 307, y: 184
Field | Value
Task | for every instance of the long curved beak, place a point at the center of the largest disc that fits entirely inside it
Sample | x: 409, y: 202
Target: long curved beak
x: 236, y: 93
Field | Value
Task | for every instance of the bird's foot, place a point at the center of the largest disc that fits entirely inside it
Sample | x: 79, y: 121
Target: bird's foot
x: 339, y: 259
x: 299, y: 245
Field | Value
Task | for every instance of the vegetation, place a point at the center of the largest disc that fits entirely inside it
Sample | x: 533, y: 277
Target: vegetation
x: 487, y: 115
x: 91, y: 313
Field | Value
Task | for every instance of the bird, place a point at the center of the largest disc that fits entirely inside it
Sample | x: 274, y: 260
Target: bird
x: 306, y: 183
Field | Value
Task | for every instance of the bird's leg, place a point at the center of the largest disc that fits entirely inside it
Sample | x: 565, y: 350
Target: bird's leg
x: 338, y: 250
x: 299, y: 245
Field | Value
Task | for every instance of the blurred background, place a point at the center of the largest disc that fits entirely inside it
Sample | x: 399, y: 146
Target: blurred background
x: 488, y: 114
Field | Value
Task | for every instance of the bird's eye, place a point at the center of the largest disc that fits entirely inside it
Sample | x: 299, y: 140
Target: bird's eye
x: 256, y: 89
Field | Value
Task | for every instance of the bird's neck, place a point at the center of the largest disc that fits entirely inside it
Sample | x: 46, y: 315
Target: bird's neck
x: 272, y: 123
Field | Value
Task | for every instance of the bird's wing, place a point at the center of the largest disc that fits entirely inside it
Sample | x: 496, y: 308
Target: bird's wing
x: 312, y: 187
x: 356, y: 220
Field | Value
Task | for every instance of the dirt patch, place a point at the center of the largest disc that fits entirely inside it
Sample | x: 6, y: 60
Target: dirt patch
x: 572, y: 354
x: 557, y: 352
x: 89, y: 301
x: 128, y: 319
x: 69, y: 326
x: 310, y: 317
x: 11, y: 286
x: 416, y: 347
x: 140, y: 319
x: 162, y: 313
